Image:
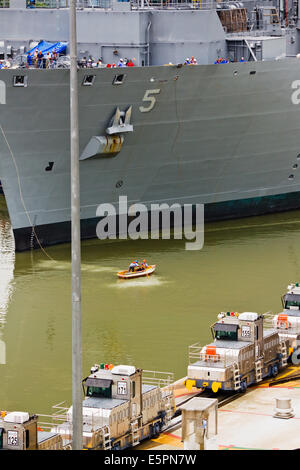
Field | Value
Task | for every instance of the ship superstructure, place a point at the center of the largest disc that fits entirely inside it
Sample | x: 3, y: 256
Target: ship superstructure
x: 225, y: 135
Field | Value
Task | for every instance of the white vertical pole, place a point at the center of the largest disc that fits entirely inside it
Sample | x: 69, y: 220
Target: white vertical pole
x: 76, y: 255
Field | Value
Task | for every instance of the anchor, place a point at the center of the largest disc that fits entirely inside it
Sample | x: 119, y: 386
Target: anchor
x: 110, y: 144
x: 120, y: 122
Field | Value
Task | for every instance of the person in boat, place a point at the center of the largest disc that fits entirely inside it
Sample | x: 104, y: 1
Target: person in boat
x: 144, y: 264
x: 133, y: 266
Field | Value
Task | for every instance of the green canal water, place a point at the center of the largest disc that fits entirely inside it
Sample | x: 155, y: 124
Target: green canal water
x: 245, y: 265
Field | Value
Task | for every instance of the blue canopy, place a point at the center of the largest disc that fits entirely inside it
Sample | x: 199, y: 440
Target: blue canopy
x: 44, y: 47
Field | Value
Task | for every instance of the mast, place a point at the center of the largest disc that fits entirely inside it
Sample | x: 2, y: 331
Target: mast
x: 76, y: 254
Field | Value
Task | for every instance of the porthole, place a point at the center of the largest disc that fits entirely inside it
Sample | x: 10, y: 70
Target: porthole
x: 235, y: 73
x: 49, y: 167
x: 20, y: 80
x: 252, y: 72
x: 119, y: 79
x: 295, y: 166
x: 298, y: 157
x: 119, y: 184
x: 88, y: 80
x: 291, y: 177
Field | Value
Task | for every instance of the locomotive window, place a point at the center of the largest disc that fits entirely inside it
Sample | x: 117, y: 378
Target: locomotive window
x: 225, y: 331
x: 103, y: 392
x: 226, y: 335
x: 292, y: 303
x: 291, y: 300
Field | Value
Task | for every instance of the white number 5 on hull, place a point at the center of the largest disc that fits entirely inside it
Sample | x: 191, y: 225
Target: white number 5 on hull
x: 150, y: 99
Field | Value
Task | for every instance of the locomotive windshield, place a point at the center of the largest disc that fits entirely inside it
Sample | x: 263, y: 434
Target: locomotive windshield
x: 224, y: 331
x: 99, y: 392
x: 98, y: 388
x: 292, y: 301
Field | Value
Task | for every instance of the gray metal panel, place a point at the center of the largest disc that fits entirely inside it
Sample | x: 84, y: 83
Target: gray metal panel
x: 147, y: 388
x: 292, y: 313
x: 45, y: 435
x: 107, y: 403
x: 270, y: 332
x: 213, y: 365
x: 230, y: 344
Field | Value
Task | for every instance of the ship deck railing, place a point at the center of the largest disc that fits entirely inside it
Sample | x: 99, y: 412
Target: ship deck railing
x: 134, y: 4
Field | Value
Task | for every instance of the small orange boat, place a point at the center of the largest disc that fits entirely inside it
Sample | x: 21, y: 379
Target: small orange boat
x: 145, y: 272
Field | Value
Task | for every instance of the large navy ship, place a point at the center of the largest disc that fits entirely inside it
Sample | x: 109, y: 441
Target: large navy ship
x: 224, y: 133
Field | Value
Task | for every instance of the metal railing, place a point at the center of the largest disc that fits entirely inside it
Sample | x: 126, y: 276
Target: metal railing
x: 173, y: 4
x: 134, y: 4
x: 58, y: 416
x: 159, y: 379
x: 20, y: 61
x: 196, y: 354
x: 105, y: 4
x: 81, y: 4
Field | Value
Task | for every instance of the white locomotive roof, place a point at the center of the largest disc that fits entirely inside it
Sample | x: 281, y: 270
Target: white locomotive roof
x: 249, y: 316
x: 123, y: 370
x: 19, y: 417
x: 293, y: 289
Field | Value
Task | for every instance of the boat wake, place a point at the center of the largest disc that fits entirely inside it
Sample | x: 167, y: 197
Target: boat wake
x: 66, y: 266
x: 145, y: 281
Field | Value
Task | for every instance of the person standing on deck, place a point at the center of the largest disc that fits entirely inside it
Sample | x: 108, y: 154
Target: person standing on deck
x: 54, y: 57
x: 40, y: 59
x: 48, y: 57
x: 29, y: 59
x: 36, y: 58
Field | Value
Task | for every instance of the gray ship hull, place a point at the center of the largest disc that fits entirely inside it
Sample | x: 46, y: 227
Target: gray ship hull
x: 226, y: 136
x: 53, y: 234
